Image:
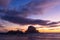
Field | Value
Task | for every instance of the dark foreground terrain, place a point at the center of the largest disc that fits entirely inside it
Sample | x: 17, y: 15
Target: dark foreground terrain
x: 34, y: 36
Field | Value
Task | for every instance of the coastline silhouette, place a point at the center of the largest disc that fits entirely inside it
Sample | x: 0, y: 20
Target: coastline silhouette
x: 31, y: 29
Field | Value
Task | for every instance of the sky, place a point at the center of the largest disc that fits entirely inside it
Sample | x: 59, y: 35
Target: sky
x: 15, y: 13
x: 53, y: 14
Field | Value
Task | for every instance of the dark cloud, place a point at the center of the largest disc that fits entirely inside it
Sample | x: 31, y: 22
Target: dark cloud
x: 24, y: 21
x: 52, y: 23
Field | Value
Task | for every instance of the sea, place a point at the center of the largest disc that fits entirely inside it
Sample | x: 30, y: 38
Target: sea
x: 32, y: 36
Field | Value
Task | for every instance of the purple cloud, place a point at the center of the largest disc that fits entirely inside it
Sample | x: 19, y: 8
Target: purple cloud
x: 4, y: 2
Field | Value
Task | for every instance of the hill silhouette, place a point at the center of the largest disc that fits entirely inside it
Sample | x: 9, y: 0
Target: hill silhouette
x: 14, y: 32
x: 31, y: 29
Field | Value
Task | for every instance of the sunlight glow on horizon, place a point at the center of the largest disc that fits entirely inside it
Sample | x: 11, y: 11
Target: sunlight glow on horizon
x: 49, y: 29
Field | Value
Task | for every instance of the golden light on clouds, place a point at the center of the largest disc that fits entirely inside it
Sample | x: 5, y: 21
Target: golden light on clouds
x: 49, y: 29
x: 40, y: 28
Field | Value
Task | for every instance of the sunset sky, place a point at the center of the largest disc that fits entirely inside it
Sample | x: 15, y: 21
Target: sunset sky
x: 23, y: 13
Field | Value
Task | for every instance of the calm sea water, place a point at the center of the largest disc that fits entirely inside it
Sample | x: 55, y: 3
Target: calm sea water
x: 31, y: 37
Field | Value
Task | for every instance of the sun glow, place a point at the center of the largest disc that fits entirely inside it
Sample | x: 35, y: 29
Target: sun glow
x: 49, y: 29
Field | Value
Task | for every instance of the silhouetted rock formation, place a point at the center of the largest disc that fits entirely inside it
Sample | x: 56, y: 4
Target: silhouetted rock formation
x: 31, y: 29
x: 15, y: 32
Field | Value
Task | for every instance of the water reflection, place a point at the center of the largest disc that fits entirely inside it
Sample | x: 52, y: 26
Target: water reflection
x: 31, y: 37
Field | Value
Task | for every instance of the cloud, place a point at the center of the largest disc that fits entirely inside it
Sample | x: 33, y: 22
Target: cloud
x: 34, y: 7
x: 38, y: 6
x: 4, y: 3
x: 24, y: 21
x: 54, y: 24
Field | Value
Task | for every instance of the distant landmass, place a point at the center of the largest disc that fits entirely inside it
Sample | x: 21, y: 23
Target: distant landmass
x: 31, y: 29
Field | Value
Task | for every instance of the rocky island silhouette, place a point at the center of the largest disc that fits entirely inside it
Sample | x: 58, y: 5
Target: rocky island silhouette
x: 31, y: 29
